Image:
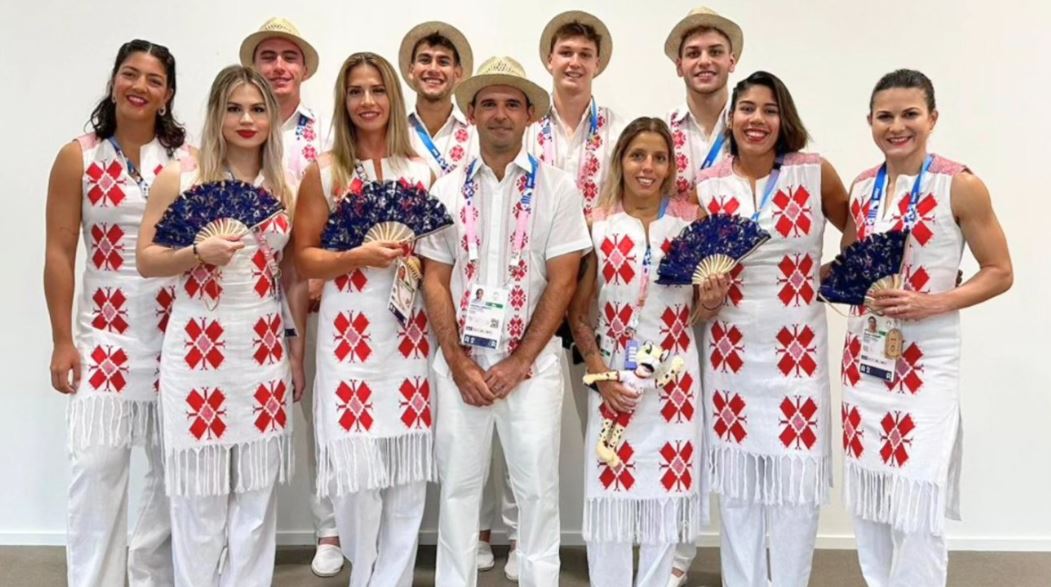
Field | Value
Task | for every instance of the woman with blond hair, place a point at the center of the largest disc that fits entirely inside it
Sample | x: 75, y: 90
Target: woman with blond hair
x: 228, y: 374
x: 373, y: 416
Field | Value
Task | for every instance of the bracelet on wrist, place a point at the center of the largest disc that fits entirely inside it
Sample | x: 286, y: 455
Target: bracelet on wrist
x: 196, y: 255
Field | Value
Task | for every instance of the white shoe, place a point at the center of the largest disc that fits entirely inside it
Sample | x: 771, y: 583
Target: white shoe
x: 328, y: 560
x: 677, y: 580
x: 484, y: 559
x: 511, y: 567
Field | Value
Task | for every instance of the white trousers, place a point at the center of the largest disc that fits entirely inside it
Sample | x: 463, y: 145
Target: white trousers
x: 378, y: 531
x: 745, y: 526
x: 890, y: 558
x: 245, y: 523
x: 97, y: 521
x: 320, y: 507
x: 528, y: 423
x: 609, y: 564
x: 684, y: 555
x: 508, y: 507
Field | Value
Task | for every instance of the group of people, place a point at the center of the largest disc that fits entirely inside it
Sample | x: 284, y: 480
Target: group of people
x: 561, y: 214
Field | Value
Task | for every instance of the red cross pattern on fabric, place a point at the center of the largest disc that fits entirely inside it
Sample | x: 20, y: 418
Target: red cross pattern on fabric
x: 908, y: 375
x: 518, y: 297
x: 277, y: 224
x: 799, y: 422
x: 106, y: 183
x: 109, y: 368
x: 352, y: 337
x: 618, y: 267
x: 796, y: 280
x: 415, y: 403
x: 618, y: 317
x: 165, y: 298
x: 895, y: 437
x: 456, y: 153
x: 515, y: 329
x: 206, y: 413
x: 677, y: 399
x: 203, y: 282
x: 674, y: 324
x: 797, y: 349
x: 270, y: 406
x: 735, y: 295
x: 851, y: 365
x: 461, y: 135
x: 677, y: 466
x: 921, y: 230
x: 621, y: 478
x: 414, y: 343
x: 268, y: 341
x: 730, y: 421
x: 723, y: 205
x: 853, y: 441
x: 916, y: 278
x: 107, y: 246
x: 355, y: 403
x: 356, y: 280
x: 860, y: 212
x: 727, y: 347
x: 109, y: 313
x: 204, y: 341
x: 792, y: 212
x: 261, y: 272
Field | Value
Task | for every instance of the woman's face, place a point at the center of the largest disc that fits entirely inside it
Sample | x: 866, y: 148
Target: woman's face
x: 646, y: 165
x: 140, y: 87
x: 367, y: 102
x: 901, y: 122
x: 756, y: 121
x: 246, y: 123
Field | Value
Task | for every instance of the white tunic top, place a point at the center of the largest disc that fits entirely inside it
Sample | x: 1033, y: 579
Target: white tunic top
x: 456, y: 142
x: 302, y: 137
x: 692, y: 145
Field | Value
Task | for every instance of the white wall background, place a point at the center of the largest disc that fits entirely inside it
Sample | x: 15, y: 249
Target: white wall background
x: 989, y: 63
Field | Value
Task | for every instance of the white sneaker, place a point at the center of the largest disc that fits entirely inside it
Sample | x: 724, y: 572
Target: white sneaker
x: 677, y: 580
x: 328, y: 560
x: 484, y: 558
x: 511, y: 567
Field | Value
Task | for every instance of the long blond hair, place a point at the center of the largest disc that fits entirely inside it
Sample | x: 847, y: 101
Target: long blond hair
x: 212, y: 161
x: 345, y: 134
x: 613, y: 187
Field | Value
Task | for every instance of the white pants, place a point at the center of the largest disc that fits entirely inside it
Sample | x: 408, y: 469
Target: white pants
x: 320, y: 507
x: 684, y: 555
x: 609, y: 564
x: 378, y: 531
x: 245, y: 523
x: 97, y: 522
x: 745, y: 525
x: 890, y: 558
x: 528, y: 423
x: 508, y: 507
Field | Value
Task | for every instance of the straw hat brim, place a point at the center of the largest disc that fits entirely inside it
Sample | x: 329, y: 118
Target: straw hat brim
x: 728, y: 27
x: 252, y: 41
x: 605, y: 50
x: 408, y: 43
x: 537, y: 96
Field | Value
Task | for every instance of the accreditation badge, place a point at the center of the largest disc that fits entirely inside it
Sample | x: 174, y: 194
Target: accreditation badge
x: 881, y: 343
x: 484, y: 324
x: 403, y: 291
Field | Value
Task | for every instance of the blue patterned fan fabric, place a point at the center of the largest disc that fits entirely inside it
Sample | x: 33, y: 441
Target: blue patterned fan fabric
x: 861, y: 264
x: 718, y: 234
x: 207, y: 202
x: 387, y: 201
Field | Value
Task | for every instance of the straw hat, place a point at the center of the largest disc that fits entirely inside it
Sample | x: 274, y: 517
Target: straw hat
x: 503, y: 71
x: 283, y: 29
x: 605, y: 49
x: 704, y: 17
x: 426, y: 29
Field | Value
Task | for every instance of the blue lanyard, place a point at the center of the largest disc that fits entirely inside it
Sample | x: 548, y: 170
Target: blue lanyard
x: 768, y: 189
x: 133, y: 171
x: 545, y: 128
x: 879, y: 190
x: 429, y: 143
x: 713, y: 152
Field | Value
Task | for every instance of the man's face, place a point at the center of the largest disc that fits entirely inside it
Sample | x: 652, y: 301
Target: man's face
x: 281, y: 62
x: 501, y: 114
x: 705, y: 61
x: 573, y: 63
x: 434, y: 72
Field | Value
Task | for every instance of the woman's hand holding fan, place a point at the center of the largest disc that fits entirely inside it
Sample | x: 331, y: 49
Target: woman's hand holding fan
x: 378, y: 253
x: 219, y: 250
x: 905, y: 305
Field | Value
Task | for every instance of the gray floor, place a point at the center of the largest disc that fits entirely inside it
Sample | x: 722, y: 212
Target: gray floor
x: 44, y: 566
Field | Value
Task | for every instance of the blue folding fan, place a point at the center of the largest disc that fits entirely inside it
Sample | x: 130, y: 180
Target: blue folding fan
x: 223, y: 208
x: 394, y: 211
x: 707, y: 247
x: 867, y: 266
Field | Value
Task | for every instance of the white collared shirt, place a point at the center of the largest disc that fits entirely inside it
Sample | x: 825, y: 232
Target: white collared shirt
x: 456, y: 141
x: 557, y: 227
x: 303, y: 138
x: 692, y: 144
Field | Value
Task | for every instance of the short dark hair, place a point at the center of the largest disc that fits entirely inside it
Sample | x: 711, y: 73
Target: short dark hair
x: 577, y: 29
x: 437, y: 40
x: 904, y: 78
x: 793, y: 135
x: 704, y: 29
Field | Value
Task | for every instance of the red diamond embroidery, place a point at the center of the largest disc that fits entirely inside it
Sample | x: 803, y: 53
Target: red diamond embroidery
x: 796, y: 280
x: 203, y: 338
x: 617, y: 317
x: 261, y: 273
x: 851, y: 372
x: 736, y: 292
x: 797, y: 349
x: 677, y: 399
x: 677, y: 466
x: 729, y: 416
x: 109, y: 313
x: 799, y: 423
x: 109, y: 368
x: 203, y: 282
x: 853, y: 443
x: 415, y: 403
x: 165, y: 297
x: 353, y: 281
x: 414, y: 343
x: 355, y: 403
x: 105, y: 183
x: 895, y: 438
x: 621, y: 478
x: 352, y: 337
x: 206, y: 413
x: 727, y: 347
x: 917, y: 278
x: 723, y: 205
x: 269, y: 347
x: 921, y: 230
x: 618, y: 264
x: 518, y: 297
x: 270, y: 406
x: 674, y: 324
x: 792, y: 213
x: 107, y: 246
x: 909, y: 373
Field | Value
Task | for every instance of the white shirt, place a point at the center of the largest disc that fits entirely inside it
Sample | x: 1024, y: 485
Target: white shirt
x: 557, y: 227
x: 302, y: 138
x: 456, y: 141
x: 692, y: 144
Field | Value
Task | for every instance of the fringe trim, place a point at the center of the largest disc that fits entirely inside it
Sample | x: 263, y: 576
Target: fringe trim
x: 223, y: 469
x: 769, y: 479
x: 905, y: 504
x: 643, y: 521
x: 109, y: 420
x: 360, y: 462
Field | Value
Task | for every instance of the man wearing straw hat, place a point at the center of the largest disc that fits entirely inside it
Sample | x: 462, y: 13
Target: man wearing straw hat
x: 281, y: 54
x: 434, y: 58
x: 519, y: 234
